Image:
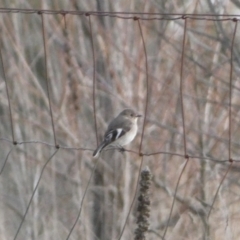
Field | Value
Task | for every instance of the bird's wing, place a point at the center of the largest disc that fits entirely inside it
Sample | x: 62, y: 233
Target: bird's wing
x: 113, y: 135
x: 116, y: 131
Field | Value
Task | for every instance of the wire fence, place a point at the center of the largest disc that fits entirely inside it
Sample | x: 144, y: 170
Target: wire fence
x: 66, y: 73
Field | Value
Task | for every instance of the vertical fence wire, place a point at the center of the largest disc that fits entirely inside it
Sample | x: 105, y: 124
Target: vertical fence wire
x: 94, y: 78
x: 183, y: 125
x: 95, y: 122
x: 181, y: 86
x: 144, y: 123
x: 147, y: 83
x: 230, y: 117
x: 230, y: 90
x: 8, y: 97
x: 47, y: 80
x: 5, y: 161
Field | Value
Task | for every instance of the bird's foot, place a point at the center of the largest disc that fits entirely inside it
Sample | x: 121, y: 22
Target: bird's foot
x: 121, y: 149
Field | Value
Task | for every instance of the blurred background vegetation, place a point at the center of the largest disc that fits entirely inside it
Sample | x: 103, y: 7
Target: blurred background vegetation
x: 120, y: 83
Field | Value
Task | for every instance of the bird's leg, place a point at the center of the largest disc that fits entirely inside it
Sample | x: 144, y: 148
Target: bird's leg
x: 121, y: 149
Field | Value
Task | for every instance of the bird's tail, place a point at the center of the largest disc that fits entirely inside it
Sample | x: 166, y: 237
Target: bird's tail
x: 99, y: 149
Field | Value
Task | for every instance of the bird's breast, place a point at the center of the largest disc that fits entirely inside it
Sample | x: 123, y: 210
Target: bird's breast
x: 128, y: 137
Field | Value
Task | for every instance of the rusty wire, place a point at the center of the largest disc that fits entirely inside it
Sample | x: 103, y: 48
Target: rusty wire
x: 106, y: 13
x: 8, y: 97
x: 183, y: 125
x: 47, y: 80
x: 230, y: 91
x: 94, y: 79
x: 147, y: 84
x: 33, y: 193
x: 230, y: 121
x: 137, y: 17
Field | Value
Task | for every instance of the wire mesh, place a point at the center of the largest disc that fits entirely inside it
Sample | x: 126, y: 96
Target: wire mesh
x: 65, y: 74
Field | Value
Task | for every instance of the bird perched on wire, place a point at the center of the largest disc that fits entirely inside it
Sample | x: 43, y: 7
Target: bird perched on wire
x: 121, y: 131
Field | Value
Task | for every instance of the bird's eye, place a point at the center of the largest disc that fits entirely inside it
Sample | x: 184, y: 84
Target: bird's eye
x: 132, y: 114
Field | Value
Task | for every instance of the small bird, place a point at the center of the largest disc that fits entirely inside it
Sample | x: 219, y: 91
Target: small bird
x: 121, y: 131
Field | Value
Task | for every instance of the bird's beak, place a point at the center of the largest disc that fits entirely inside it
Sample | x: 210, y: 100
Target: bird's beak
x: 139, y: 115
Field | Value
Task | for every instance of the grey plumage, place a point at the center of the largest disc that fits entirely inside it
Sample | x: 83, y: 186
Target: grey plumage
x: 120, y: 132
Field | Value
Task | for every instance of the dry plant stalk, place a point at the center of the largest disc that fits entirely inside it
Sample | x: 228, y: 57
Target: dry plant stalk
x: 143, y: 208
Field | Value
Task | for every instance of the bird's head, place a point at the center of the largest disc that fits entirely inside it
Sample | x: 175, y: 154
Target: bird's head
x: 129, y: 113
